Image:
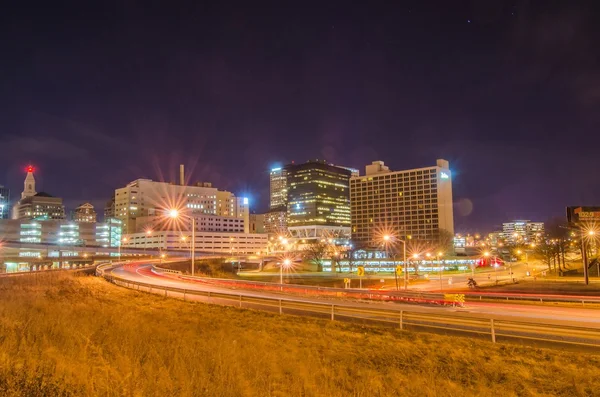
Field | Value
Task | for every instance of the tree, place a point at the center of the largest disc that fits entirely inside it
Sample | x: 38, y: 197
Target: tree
x: 445, y: 241
x: 315, y: 253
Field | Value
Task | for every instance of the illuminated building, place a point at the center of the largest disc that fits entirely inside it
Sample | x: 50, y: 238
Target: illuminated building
x: 33, y: 205
x: 276, y: 221
x: 109, y: 208
x: 318, y: 200
x: 278, y: 188
x: 4, y: 202
x: 61, y: 232
x: 412, y: 204
x: 522, y: 231
x: 227, y: 243
x: 41, y: 206
x: 146, y: 200
x: 85, y: 213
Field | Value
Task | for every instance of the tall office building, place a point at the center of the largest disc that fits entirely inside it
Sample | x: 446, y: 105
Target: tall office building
x: 412, y: 204
x: 522, y: 231
x: 143, y: 203
x: 278, y: 188
x: 4, y: 202
x: 85, y: 213
x: 318, y: 200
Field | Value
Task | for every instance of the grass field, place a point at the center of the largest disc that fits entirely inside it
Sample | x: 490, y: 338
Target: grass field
x: 65, y: 335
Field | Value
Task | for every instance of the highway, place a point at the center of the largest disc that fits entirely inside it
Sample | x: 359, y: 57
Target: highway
x: 534, y: 314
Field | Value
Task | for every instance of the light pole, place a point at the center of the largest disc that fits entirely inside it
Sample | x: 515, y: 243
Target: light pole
x: 176, y: 214
x: 389, y: 238
x: 586, y: 273
x: 121, y: 243
x: 286, y: 263
x: 441, y: 270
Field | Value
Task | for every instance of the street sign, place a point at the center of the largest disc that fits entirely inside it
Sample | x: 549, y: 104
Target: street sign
x: 347, y: 281
x: 399, y: 269
x: 360, y: 271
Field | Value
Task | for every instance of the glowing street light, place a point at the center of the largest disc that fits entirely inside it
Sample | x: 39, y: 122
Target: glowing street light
x: 287, y: 263
x: 123, y: 240
x: 175, y: 214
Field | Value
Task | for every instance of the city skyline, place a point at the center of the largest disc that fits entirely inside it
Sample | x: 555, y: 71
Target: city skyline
x: 505, y: 92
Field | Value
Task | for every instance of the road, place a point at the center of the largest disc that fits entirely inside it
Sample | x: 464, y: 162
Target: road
x: 590, y: 318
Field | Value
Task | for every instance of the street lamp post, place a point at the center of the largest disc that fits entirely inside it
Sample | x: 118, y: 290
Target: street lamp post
x: 124, y: 240
x: 441, y: 270
x: 286, y: 263
x: 176, y: 214
x: 586, y: 273
x: 387, y: 238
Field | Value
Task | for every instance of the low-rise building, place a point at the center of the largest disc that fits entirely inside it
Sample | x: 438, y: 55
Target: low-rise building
x: 218, y: 242
x: 522, y: 231
x: 85, y: 213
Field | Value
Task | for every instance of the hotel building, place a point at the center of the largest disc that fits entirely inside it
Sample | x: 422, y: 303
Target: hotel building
x: 411, y: 204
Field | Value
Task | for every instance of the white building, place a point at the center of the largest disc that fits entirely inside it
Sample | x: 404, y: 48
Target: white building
x: 143, y: 203
x: 218, y: 242
x: 522, y: 231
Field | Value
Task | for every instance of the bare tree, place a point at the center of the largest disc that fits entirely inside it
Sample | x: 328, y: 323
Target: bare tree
x: 315, y: 253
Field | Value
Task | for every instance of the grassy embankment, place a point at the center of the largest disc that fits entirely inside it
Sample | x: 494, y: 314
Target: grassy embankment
x: 68, y: 335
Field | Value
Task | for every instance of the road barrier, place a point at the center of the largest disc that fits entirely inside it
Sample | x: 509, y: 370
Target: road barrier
x: 456, y: 323
x: 387, y: 295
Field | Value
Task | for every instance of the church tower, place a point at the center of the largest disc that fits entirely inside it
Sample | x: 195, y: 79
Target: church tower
x: 29, y: 186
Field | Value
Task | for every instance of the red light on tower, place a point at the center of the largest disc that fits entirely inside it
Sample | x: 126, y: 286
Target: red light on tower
x: 30, y: 168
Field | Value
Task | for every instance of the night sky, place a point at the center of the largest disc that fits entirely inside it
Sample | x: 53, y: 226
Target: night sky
x: 508, y: 92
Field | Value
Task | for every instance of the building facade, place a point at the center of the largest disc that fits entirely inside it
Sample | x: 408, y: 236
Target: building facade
x: 412, y: 204
x: 85, y: 213
x: 61, y: 232
x: 109, y: 208
x: 257, y: 223
x: 148, y: 201
x: 41, y: 206
x: 225, y: 243
x: 522, y: 231
x: 278, y: 188
x: 318, y: 200
x: 276, y: 222
x: 4, y: 202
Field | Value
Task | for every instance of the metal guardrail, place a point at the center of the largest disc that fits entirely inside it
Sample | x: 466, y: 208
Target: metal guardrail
x: 391, y: 295
x: 404, y: 319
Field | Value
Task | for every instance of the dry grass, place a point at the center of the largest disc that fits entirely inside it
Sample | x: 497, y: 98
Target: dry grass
x: 67, y: 335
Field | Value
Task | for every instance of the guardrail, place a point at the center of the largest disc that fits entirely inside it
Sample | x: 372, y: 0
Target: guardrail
x: 460, y: 323
x: 82, y: 267
x: 391, y: 295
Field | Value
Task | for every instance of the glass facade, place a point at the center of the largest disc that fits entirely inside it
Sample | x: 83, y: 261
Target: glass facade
x: 30, y: 233
x: 317, y: 194
x: 4, y: 202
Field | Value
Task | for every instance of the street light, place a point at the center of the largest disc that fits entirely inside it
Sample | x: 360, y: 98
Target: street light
x: 124, y: 240
x: 439, y: 254
x: 389, y: 238
x: 176, y: 214
x: 286, y: 263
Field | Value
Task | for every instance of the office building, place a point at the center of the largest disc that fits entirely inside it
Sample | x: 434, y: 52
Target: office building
x: 61, y: 232
x: 276, y: 221
x: 318, y: 200
x: 278, y: 188
x: 4, y: 202
x: 412, y: 204
x: 522, y: 231
x: 85, y: 213
x: 109, y: 208
x: 41, y: 206
x: 147, y: 201
x: 226, y: 243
